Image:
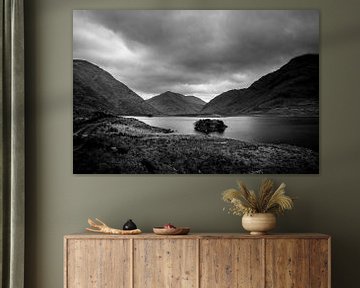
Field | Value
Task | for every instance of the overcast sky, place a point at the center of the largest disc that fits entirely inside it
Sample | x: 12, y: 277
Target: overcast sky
x: 200, y: 53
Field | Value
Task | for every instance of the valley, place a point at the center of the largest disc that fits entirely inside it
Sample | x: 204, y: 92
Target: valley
x: 107, y: 139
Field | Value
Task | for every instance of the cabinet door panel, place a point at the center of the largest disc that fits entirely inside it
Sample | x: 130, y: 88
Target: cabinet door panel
x: 165, y: 263
x: 319, y: 263
x: 98, y: 264
x: 287, y: 263
x: 231, y: 263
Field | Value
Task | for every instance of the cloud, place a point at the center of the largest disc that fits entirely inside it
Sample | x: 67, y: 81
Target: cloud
x: 202, y: 53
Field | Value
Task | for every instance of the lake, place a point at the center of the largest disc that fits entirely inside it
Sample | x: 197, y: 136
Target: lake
x: 299, y: 131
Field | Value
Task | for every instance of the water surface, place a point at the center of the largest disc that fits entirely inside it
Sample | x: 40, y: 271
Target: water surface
x: 299, y: 131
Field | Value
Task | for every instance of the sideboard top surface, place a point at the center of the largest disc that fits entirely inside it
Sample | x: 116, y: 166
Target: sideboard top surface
x: 86, y: 235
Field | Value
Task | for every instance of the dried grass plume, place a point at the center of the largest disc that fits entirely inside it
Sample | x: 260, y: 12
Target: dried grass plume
x: 267, y: 200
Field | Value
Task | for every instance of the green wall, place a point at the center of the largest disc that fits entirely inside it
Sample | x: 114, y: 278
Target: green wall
x: 59, y: 202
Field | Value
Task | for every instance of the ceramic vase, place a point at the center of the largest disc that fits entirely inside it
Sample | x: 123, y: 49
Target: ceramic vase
x: 259, y: 223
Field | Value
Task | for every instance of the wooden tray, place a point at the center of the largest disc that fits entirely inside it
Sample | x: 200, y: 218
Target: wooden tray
x: 171, y: 231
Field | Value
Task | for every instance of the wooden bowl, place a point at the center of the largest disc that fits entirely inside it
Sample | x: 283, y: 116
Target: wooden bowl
x: 171, y: 231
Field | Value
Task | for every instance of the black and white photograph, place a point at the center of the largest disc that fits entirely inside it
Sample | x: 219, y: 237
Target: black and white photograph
x: 196, y: 92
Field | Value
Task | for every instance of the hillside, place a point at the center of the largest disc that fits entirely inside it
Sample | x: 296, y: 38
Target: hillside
x: 95, y: 90
x: 292, y: 90
x: 170, y: 103
x: 195, y: 100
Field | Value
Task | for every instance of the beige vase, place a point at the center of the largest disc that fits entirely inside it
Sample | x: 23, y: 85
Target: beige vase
x: 259, y: 223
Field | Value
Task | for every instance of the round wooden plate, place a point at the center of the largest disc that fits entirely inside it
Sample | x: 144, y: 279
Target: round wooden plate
x: 171, y: 231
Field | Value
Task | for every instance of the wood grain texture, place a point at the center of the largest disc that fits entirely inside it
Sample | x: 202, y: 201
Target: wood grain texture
x: 165, y: 263
x: 319, y: 263
x: 88, y: 235
x: 231, y: 263
x: 287, y: 263
x: 66, y: 262
x: 197, y: 260
x: 98, y: 264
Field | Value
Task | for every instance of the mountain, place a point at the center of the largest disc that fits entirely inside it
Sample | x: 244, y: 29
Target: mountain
x: 95, y: 90
x: 170, y: 103
x: 291, y: 90
x: 195, y: 100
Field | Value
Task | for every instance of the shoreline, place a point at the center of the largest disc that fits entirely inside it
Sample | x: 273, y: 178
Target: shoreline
x: 230, y: 133
x: 118, y: 145
x: 224, y: 116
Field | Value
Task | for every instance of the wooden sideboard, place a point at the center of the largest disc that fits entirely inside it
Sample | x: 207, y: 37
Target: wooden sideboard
x: 197, y: 260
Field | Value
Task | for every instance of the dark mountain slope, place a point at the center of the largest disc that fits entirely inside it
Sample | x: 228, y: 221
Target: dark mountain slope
x: 96, y: 90
x: 291, y: 90
x: 195, y: 100
x: 170, y: 103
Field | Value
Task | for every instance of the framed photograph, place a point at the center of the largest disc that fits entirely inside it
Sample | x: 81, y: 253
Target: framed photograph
x: 195, y: 92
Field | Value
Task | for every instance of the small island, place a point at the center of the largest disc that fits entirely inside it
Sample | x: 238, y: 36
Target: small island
x: 209, y: 126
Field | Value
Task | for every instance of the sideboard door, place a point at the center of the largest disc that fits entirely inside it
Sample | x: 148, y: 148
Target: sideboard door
x: 320, y: 263
x: 287, y: 263
x: 231, y: 263
x: 170, y: 263
x: 98, y: 263
x: 297, y: 263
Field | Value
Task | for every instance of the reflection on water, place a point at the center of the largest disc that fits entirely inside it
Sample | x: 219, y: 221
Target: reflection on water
x: 297, y: 131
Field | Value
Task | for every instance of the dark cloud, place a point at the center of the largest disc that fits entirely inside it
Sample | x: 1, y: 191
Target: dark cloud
x: 202, y: 53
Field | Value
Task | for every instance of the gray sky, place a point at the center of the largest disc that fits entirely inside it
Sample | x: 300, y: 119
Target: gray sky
x: 200, y: 53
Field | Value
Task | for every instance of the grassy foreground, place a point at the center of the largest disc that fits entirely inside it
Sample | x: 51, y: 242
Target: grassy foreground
x: 115, y: 145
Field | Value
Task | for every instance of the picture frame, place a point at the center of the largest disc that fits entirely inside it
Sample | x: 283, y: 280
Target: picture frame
x: 150, y: 100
